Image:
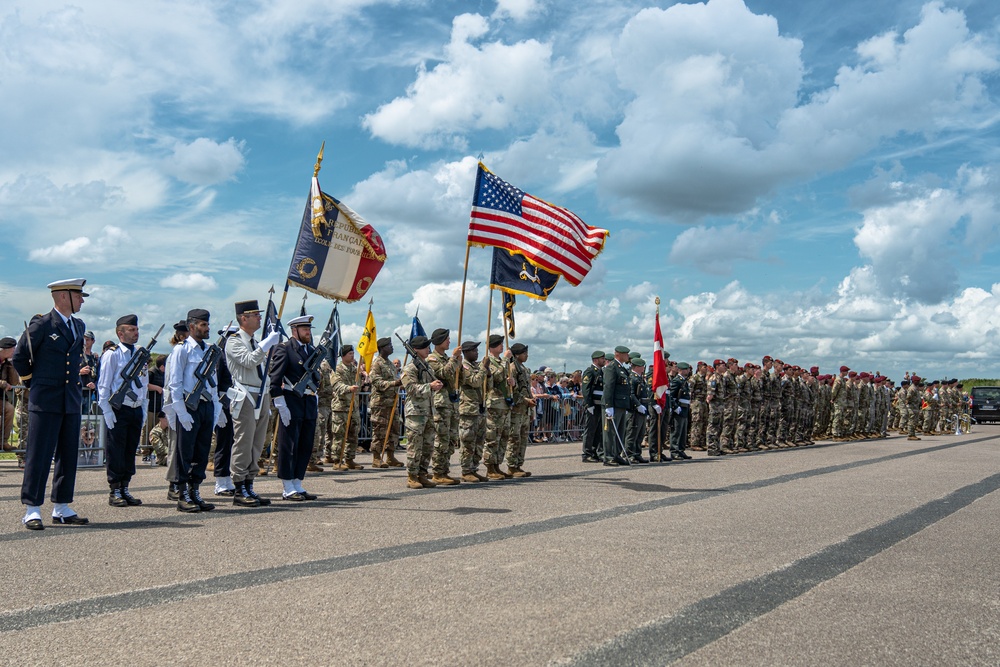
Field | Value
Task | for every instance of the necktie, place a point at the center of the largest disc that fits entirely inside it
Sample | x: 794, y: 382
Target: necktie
x: 130, y: 347
x: 201, y: 344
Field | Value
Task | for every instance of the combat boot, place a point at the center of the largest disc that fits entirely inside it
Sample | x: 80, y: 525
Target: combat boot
x: 517, y: 472
x: 377, y: 462
x: 481, y: 478
x: 413, y: 482
x: 129, y: 498
x: 243, y: 499
x: 185, y: 503
x: 173, y: 493
x: 426, y: 483
x: 196, y: 497
x: 443, y: 480
x: 115, y: 498
x: 507, y: 474
x: 493, y: 472
x: 470, y: 478
x: 248, y: 485
x: 391, y: 461
x: 351, y: 465
x: 913, y: 437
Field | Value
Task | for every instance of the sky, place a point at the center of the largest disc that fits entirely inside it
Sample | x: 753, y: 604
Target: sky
x: 817, y: 181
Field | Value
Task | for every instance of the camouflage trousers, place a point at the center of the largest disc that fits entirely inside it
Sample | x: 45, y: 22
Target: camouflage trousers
x: 716, y: 418
x: 445, y: 436
x: 837, y: 421
x: 472, y: 436
x: 744, y: 425
x: 419, y: 443
x: 342, y: 451
x: 380, y: 428
x: 323, y: 438
x: 927, y: 418
x: 759, y: 437
x: 786, y: 422
x: 699, y: 424
x: 773, y: 419
x: 520, y: 421
x: 729, y: 425
x: 497, y: 435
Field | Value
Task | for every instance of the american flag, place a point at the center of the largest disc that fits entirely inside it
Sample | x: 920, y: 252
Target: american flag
x: 550, y: 237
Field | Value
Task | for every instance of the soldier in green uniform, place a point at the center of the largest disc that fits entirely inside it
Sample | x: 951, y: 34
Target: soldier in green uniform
x: 382, y: 407
x: 680, y: 402
x: 446, y: 369
x: 520, y: 415
x: 420, y: 385
x: 345, y: 444
x: 158, y: 439
x: 323, y: 442
x: 699, y: 407
x: 914, y: 399
x: 592, y: 390
x: 616, y: 401
x: 472, y: 411
x: 635, y: 420
x: 498, y: 410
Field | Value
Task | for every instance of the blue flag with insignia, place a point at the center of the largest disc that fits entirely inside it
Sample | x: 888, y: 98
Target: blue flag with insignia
x: 513, y: 274
x: 417, y: 329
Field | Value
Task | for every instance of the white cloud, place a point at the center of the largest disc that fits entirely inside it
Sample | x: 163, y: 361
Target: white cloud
x: 716, y: 120
x: 518, y: 10
x: 189, y: 281
x: 488, y: 87
x: 206, y: 162
x: 715, y: 249
x: 82, y: 250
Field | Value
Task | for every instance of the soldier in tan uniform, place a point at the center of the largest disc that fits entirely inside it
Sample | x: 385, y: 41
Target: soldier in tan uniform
x: 420, y: 386
x: 382, y: 408
x: 323, y: 442
x: 498, y: 409
x: 345, y: 407
x: 472, y: 411
x: 699, y: 407
x: 447, y: 370
x: 520, y: 417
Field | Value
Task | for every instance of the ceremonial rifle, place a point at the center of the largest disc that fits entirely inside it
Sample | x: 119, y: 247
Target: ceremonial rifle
x: 205, y: 372
x: 130, y: 374
x: 312, y: 364
x: 420, y: 363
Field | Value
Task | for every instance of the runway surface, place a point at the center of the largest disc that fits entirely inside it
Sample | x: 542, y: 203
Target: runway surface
x: 879, y: 552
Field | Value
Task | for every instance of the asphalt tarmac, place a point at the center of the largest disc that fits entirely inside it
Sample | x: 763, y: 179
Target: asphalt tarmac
x: 879, y: 552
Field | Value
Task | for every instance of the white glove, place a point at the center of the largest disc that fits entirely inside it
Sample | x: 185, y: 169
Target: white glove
x: 270, y: 341
x: 678, y: 409
x: 642, y: 410
x: 659, y: 410
x: 610, y: 412
x: 185, y: 420
x: 109, y: 415
x: 590, y: 410
x: 220, y: 416
x: 283, y: 411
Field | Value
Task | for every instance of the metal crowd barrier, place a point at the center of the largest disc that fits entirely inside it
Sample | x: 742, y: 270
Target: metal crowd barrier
x: 557, y: 419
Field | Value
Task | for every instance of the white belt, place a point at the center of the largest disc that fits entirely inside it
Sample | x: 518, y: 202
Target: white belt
x: 684, y: 401
x: 598, y: 392
x: 131, y: 404
x: 288, y: 387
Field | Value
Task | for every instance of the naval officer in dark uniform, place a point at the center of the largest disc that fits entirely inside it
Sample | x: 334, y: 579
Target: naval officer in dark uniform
x: 47, y: 358
x: 296, y: 413
x: 617, y: 400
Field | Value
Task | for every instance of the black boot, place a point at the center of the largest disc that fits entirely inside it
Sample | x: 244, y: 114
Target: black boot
x: 248, y: 483
x: 196, y: 497
x: 115, y: 498
x: 129, y: 498
x: 242, y: 498
x: 173, y: 493
x: 185, y: 503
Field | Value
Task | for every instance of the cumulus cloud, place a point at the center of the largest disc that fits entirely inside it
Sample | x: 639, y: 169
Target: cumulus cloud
x: 715, y: 249
x: 487, y: 87
x: 206, y: 162
x: 83, y: 250
x: 716, y: 121
x: 189, y: 281
x: 516, y: 9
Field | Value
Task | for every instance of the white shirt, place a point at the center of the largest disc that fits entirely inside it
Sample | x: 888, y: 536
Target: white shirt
x: 181, y: 365
x: 110, y: 380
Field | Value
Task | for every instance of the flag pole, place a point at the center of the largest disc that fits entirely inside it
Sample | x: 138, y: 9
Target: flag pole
x: 461, y: 312
x: 357, y: 374
x: 486, y: 357
x: 659, y: 417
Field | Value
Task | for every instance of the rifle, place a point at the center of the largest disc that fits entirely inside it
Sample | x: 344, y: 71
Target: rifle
x: 311, y: 366
x: 130, y: 374
x: 420, y: 363
x: 205, y: 371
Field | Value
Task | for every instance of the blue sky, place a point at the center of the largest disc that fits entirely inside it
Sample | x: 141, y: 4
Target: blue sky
x: 816, y: 180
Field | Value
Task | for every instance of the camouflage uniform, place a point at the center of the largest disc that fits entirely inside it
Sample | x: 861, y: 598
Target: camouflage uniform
x: 419, y: 418
x: 384, y: 394
x: 158, y: 442
x: 721, y: 390
x: 324, y: 434
x: 744, y: 424
x: 699, y: 411
x: 757, y: 438
x: 520, y: 416
x: 786, y: 417
x: 343, y: 379
x: 840, y: 396
x: 472, y: 416
x: 914, y: 396
x: 772, y: 398
x: 445, y: 411
x: 498, y: 413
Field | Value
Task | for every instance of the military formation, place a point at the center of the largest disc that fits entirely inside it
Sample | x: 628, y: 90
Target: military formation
x: 245, y: 390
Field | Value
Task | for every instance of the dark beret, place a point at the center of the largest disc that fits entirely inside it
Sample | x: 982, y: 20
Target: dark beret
x: 7, y: 342
x: 637, y: 361
x: 518, y: 348
x: 198, y: 314
x: 181, y: 326
x: 683, y: 365
x: 496, y: 339
x: 127, y: 320
x: 597, y: 354
x: 346, y: 349
x: 439, y: 336
x: 420, y: 343
x: 470, y: 345
x: 609, y: 356
x: 621, y: 349
x: 383, y: 342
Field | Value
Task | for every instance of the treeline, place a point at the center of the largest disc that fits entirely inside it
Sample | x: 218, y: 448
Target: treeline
x: 979, y: 382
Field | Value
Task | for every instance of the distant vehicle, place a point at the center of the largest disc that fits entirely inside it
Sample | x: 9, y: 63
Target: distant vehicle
x: 985, y: 404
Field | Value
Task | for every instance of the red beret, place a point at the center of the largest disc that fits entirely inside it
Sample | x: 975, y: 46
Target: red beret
x: 852, y: 374
x: 914, y: 378
x: 814, y: 370
x: 731, y: 360
x: 767, y: 357
x: 717, y: 362
x: 844, y: 369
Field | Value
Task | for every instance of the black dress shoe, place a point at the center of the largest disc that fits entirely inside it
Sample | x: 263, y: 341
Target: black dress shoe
x: 682, y: 455
x: 591, y: 459
x: 612, y: 462
x: 226, y: 492
x: 639, y: 459
x: 34, y: 524
x: 309, y: 496
x: 75, y: 520
x: 294, y: 497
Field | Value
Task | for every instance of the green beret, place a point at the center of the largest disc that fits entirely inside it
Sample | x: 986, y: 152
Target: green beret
x: 638, y: 362
x: 597, y: 354
x: 634, y: 355
x: 609, y: 356
x: 682, y: 365
x: 621, y: 349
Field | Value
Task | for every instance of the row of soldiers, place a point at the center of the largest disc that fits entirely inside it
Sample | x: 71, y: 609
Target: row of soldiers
x: 726, y: 408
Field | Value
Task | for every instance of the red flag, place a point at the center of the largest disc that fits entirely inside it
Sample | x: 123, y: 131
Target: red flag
x: 660, y: 382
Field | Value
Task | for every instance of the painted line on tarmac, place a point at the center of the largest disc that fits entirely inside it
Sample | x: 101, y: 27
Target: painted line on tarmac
x: 673, y: 637
x: 75, y: 610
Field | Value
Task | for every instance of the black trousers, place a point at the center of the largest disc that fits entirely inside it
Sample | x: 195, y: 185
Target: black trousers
x: 295, y: 444
x: 614, y: 435
x: 51, y: 434
x: 119, y: 450
x: 679, y: 437
x: 592, y: 432
x: 191, y: 453
x: 223, y: 445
